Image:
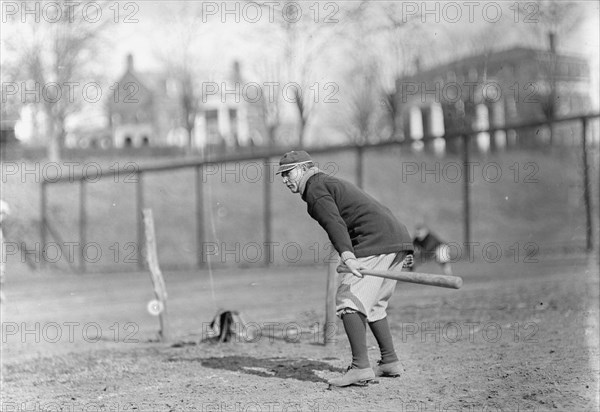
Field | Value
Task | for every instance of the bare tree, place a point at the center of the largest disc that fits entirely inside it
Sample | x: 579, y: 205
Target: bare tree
x: 55, y: 52
x: 304, y: 38
x: 10, y: 98
x: 408, y: 43
x: 183, y: 28
x: 483, y: 40
x: 550, y: 18
x: 295, y: 31
x: 270, y: 73
x: 551, y: 21
x: 402, y: 45
x: 363, y: 103
x: 362, y: 85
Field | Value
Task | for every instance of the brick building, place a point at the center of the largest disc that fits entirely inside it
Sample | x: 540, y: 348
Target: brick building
x: 499, y: 88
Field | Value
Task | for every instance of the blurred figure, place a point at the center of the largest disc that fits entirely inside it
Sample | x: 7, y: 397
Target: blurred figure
x: 430, y: 247
x: 4, y: 212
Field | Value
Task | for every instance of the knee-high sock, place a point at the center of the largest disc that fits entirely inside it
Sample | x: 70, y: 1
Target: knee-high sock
x: 381, y: 330
x: 355, y: 325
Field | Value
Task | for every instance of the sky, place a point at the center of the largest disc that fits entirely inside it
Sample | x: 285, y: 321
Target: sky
x: 226, y: 32
x: 223, y: 39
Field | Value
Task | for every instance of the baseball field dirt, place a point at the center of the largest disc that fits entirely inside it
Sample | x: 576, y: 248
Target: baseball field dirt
x: 517, y: 336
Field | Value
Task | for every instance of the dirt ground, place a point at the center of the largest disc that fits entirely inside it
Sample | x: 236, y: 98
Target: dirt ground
x: 517, y: 336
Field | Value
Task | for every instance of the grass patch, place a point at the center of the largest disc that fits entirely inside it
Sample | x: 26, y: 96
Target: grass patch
x: 516, y: 198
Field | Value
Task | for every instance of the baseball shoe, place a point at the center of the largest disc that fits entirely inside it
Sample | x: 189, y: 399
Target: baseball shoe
x: 392, y: 370
x: 353, y: 376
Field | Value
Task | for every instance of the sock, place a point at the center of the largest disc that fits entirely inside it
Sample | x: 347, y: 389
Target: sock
x: 355, y: 325
x: 381, y: 330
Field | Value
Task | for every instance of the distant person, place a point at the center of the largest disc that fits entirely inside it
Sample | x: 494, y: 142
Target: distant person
x: 367, y: 236
x: 430, y: 247
x: 4, y: 212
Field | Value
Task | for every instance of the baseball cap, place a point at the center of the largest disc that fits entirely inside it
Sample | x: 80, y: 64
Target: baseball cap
x: 293, y: 159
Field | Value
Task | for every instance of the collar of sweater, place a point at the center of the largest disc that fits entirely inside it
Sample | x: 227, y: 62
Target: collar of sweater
x: 309, y: 173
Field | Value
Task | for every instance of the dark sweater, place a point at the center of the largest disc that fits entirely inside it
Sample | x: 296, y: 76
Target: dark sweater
x: 353, y: 220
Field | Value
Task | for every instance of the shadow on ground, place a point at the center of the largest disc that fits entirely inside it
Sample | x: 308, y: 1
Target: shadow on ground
x: 299, y: 369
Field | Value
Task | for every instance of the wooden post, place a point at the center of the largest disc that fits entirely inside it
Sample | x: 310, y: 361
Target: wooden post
x: 359, y: 167
x: 589, y: 243
x: 43, y: 206
x: 82, y: 225
x: 330, y: 327
x: 466, y: 196
x: 140, y: 223
x: 268, y: 215
x: 199, y: 218
x: 160, y: 289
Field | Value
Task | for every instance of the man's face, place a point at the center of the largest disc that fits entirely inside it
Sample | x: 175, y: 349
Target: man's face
x: 292, y: 178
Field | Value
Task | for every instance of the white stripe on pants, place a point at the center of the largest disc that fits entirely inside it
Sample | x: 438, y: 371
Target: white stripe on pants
x: 368, y: 295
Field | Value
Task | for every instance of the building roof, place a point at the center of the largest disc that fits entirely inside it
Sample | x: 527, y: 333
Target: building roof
x: 496, y: 58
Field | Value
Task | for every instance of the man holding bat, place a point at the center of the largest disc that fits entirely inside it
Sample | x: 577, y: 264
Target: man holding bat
x: 368, y: 237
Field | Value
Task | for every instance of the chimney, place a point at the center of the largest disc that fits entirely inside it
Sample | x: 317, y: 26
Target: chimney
x: 129, y: 62
x: 552, y: 41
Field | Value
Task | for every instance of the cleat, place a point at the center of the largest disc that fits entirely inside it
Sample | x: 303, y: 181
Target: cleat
x: 359, y: 384
x: 389, y: 370
x: 366, y: 382
x: 353, y: 376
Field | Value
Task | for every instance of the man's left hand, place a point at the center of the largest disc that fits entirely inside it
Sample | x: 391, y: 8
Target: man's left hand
x: 354, y: 266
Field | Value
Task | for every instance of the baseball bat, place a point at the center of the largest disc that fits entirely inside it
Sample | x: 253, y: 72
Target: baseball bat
x: 444, y: 281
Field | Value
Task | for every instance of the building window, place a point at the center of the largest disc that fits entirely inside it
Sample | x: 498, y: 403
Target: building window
x: 562, y: 69
x: 575, y: 70
x: 128, y: 141
x: 145, y: 141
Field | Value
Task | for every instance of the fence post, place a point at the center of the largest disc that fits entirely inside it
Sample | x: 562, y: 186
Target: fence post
x: 359, y: 166
x: 199, y: 217
x: 267, y: 212
x: 82, y: 225
x: 466, y: 196
x: 43, y: 221
x: 586, y: 188
x: 329, y: 329
x: 140, y: 218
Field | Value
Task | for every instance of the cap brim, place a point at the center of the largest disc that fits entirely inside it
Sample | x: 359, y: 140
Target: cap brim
x: 285, y: 168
